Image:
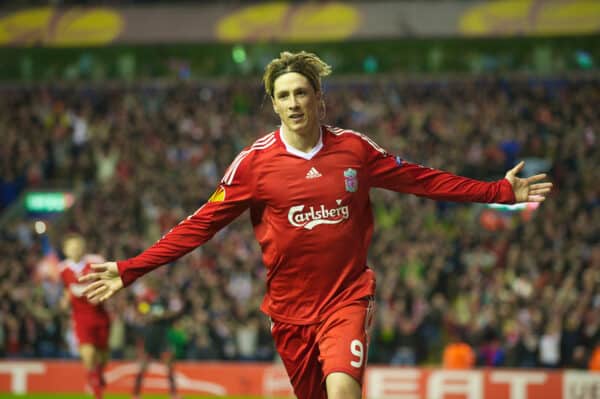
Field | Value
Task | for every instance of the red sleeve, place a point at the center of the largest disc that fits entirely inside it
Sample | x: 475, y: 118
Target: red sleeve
x: 230, y: 199
x: 393, y: 173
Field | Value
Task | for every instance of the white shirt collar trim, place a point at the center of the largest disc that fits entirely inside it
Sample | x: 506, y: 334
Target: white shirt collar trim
x: 77, y: 267
x: 306, y: 155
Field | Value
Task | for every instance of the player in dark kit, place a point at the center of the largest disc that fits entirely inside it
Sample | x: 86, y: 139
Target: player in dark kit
x: 157, y: 313
x: 307, y: 187
x: 90, y: 321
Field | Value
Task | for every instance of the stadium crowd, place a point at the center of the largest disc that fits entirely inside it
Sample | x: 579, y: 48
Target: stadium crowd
x: 521, y: 287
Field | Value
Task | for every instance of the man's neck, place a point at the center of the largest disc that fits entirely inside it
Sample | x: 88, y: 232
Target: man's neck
x: 301, y: 142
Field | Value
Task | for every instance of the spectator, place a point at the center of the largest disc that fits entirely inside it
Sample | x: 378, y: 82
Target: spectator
x: 594, y: 364
x: 458, y: 355
x: 562, y: 231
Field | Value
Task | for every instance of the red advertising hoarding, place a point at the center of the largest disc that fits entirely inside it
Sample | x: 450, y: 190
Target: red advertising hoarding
x: 270, y: 380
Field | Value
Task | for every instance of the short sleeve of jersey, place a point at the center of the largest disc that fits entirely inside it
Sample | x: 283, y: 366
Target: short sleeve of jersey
x: 394, y: 173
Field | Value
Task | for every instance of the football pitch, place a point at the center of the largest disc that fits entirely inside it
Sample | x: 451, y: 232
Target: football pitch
x: 116, y: 396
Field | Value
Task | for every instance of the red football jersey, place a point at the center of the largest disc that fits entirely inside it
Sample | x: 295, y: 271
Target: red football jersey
x: 312, y: 216
x: 82, y: 311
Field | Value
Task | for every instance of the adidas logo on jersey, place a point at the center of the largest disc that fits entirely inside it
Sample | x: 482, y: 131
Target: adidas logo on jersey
x: 313, y: 173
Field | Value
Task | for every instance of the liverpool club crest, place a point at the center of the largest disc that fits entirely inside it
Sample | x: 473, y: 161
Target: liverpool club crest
x: 350, y: 180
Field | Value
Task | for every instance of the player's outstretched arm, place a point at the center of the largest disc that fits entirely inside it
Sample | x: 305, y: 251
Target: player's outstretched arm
x: 105, y: 281
x: 530, y: 189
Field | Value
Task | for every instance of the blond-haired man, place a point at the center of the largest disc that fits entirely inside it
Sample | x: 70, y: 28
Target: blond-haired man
x: 307, y: 187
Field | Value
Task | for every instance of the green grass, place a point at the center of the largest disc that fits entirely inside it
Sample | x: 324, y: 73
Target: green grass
x: 113, y: 396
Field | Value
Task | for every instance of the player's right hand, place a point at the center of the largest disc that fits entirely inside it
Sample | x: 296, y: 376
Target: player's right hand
x: 105, y: 281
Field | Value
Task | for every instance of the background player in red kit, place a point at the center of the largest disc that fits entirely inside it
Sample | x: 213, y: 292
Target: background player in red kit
x: 307, y: 187
x: 90, y: 321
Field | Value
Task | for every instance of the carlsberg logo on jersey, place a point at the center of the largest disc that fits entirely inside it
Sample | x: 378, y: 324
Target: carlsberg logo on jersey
x: 312, y: 216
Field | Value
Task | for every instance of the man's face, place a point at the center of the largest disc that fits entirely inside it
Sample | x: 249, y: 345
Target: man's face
x: 73, y: 248
x: 296, y: 103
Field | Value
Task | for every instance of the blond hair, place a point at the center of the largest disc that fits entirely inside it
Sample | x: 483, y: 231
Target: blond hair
x: 73, y: 236
x: 306, y: 64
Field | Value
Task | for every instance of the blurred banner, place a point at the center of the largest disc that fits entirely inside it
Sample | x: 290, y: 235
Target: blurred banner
x: 295, y: 21
x: 268, y: 380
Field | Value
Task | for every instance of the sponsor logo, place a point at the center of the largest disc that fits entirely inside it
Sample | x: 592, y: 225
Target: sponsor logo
x: 283, y: 21
x: 313, y: 173
x: 121, y: 377
x: 350, y: 180
x: 314, y: 216
x: 61, y: 27
x: 398, y: 161
x: 218, y: 195
x: 506, y: 18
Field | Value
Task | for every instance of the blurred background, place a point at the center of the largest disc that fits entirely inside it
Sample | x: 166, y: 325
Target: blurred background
x: 118, y: 118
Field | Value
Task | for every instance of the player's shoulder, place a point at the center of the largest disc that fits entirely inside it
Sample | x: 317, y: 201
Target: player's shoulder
x: 342, y: 132
x: 350, y: 136
x: 262, y: 144
x: 249, y: 156
x: 63, y: 266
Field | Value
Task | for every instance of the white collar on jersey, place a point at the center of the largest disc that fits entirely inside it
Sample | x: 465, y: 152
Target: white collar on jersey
x: 306, y: 155
x: 77, y: 267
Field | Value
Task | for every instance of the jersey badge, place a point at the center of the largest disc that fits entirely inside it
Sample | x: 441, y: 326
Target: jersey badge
x: 350, y: 180
x: 218, y: 195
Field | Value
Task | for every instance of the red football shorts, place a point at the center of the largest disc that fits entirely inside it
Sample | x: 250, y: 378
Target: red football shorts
x: 337, y: 344
x: 93, y: 333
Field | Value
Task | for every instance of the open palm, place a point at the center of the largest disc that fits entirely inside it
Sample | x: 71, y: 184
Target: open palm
x: 529, y: 189
x: 105, y: 282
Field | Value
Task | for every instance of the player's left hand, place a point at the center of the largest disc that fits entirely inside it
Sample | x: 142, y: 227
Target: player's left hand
x: 105, y: 279
x: 529, y: 189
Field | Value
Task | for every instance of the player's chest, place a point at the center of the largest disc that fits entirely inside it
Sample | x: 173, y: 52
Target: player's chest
x: 323, y: 179
x: 71, y: 281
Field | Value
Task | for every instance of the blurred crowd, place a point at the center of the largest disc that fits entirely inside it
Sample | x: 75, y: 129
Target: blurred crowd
x: 520, y: 287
